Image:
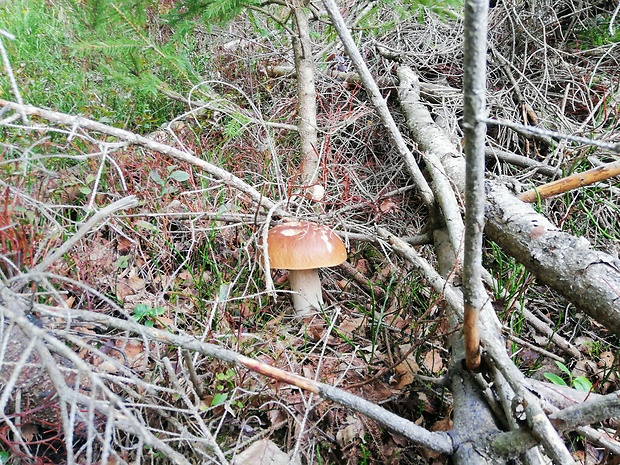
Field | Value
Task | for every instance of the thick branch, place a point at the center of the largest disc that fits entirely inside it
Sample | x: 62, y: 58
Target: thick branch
x: 588, y: 278
x: 474, y: 107
x: 443, y: 188
x: 574, y: 181
x: 568, y: 419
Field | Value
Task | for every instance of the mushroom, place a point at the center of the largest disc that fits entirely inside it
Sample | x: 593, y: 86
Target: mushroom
x: 302, y: 247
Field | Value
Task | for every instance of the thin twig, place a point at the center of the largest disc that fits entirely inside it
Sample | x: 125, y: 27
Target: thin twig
x: 126, y: 202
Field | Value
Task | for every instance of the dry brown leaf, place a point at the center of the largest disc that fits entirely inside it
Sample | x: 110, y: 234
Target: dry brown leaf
x: 583, y: 343
x: 442, y: 425
x: 406, y: 370
x: 432, y: 361
x: 398, y: 322
x: 343, y: 284
x: 124, y: 245
x: 388, y: 205
x: 276, y: 416
x: 29, y: 431
x: 135, y: 282
x: 606, y: 359
x: 353, y: 430
x: 101, y: 255
x: 308, y: 372
x: 134, y: 351
x: 363, y: 267
x: 129, y: 286
x: 69, y: 301
x: 264, y: 452
x: 584, y: 368
x: 349, y: 325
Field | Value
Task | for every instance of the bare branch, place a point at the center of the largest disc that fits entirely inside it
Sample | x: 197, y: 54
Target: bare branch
x: 574, y: 181
x: 78, y: 121
x: 474, y: 108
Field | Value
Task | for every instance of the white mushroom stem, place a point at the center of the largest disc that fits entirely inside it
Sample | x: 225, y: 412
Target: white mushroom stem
x: 307, y: 296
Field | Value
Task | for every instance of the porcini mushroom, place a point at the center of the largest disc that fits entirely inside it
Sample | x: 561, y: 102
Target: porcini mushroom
x: 301, y: 247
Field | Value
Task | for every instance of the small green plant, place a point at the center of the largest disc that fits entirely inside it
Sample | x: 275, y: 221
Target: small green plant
x: 581, y: 383
x: 166, y: 187
x: 224, y: 385
x: 147, y: 315
x: 598, y: 34
x: 5, y: 457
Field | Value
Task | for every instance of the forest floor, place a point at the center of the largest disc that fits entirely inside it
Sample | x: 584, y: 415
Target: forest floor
x: 187, y: 258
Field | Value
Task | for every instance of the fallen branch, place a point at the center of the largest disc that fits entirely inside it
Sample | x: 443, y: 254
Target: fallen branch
x: 567, y: 264
x: 574, y: 181
x: 438, y: 441
x: 493, y: 153
x: 183, y: 156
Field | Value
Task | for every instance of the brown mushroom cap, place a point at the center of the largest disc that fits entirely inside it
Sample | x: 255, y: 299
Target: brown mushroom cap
x: 302, y: 245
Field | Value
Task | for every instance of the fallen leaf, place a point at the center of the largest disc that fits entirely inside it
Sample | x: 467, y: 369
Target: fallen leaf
x: 131, y: 285
x: 432, y: 361
x: 343, y: 284
x: 124, y: 245
x: 29, y: 431
x: 353, y: 430
x: 349, y: 325
x: 606, y: 359
x: 406, y: 370
x: 388, y: 206
x: 584, y: 368
x: 264, y: 452
x: 362, y: 266
x: 442, y: 425
x: 276, y: 416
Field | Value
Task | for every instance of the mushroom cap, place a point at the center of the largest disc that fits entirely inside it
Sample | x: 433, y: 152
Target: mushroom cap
x: 302, y: 245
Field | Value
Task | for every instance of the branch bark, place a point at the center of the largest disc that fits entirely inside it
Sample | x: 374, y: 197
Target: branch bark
x: 306, y: 101
x: 574, y: 181
x: 474, y: 107
x: 588, y: 278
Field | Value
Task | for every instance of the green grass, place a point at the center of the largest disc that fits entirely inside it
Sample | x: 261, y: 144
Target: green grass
x: 598, y: 34
x: 93, y: 60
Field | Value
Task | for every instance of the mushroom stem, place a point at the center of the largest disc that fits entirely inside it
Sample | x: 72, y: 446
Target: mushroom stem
x: 308, y: 295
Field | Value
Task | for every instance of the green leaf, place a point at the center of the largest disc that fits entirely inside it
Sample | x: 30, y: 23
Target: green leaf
x: 4, y: 457
x: 146, y: 225
x: 555, y: 379
x: 219, y: 399
x: 563, y: 367
x: 122, y: 262
x: 141, y: 310
x: 158, y: 311
x: 155, y: 176
x: 581, y: 383
x: 179, y: 175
